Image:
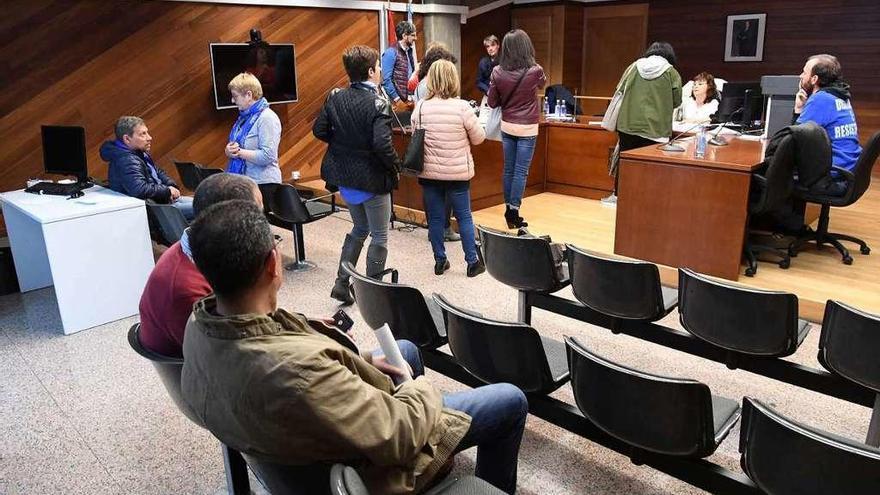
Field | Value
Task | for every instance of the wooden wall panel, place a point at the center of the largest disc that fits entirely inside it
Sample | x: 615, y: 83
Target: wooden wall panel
x: 151, y: 59
x: 546, y: 28
x: 495, y: 22
x: 795, y: 30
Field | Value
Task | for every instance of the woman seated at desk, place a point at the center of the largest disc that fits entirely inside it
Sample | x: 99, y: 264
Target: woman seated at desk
x: 700, y: 99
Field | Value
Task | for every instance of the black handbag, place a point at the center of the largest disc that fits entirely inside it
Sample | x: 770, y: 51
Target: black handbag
x: 414, y: 159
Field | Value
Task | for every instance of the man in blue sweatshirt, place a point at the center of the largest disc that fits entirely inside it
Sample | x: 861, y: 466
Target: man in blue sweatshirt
x: 824, y: 98
x: 132, y: 171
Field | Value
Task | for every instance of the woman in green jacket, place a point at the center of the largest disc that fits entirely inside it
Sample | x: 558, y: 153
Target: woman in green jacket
x: 652, y: 92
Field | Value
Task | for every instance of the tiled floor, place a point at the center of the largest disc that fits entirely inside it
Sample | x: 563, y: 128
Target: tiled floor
x: 85, y: 414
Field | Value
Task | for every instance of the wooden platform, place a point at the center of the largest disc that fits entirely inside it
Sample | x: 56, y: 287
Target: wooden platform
x: 815, y: 276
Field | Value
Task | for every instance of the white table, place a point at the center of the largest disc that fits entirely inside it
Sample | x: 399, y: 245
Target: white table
x: 95, y: 250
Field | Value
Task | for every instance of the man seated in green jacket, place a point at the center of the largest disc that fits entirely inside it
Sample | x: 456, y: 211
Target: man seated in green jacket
x: 266, y: 383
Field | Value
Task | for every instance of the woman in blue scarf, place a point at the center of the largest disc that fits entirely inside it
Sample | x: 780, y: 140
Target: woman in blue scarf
x: 253, y: 141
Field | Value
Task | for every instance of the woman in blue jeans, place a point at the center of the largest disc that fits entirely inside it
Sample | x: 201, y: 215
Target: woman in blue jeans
x: 451, y: 126
x: 513, y: 86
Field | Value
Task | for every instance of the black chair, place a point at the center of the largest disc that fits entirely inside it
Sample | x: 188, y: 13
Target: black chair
x: 770, y: 191
x: 345, y: 480
x: 166, y: 223
x: 856, y: 185
x: 169, y: 370
x: 526, y: 263
x: 784, y: 457
x: 848, y: 347
x: 740, y: 319
x: 670, y: 416
x: 410, y: 315
x: 496, y: 352
x: 192, y: 174
x: 285, y: 208
x: 627, y: 289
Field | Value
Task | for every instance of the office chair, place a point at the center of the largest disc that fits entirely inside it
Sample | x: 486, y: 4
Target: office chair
x: 769, y: 192
x: 410, y: 315
x: 784, y: 457
x: 192, y: 174
x: 848, y: 347
x: 169, y: 370
x: 344, y: 480
x: 627, y: 289
x: 166, y: 222
x: 671, y: 416
x: 740, y: 319
x: 856, y: 184
x: 524, y: 262
x: 498, y: 352
x: 285, y: 208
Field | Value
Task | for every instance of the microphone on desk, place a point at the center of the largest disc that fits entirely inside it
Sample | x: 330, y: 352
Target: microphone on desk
x: 720, y: 141
x: 671, y: 146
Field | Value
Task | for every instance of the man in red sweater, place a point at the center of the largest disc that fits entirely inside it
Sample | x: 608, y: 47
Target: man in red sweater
x: 175, y: 283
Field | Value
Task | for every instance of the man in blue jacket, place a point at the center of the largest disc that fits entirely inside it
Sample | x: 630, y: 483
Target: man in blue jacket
x: 824, y: 98
x: 398, y: 64
x: 132, y: 170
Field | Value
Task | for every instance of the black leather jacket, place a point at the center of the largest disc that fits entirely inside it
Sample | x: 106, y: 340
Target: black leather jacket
x: 356, y: 123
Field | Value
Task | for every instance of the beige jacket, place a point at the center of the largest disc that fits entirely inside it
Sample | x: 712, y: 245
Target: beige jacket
x: 273, y: 387
x: 451, y: 127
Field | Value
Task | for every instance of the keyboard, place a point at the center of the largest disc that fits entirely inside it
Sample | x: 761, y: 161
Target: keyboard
x: 54, y: 188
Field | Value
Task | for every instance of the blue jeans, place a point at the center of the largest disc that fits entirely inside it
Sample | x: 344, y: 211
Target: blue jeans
x: 185, y: 205
x: 372, y: 218
x: 498, y: 417
x: 436, y: 194
x: 518, y: 152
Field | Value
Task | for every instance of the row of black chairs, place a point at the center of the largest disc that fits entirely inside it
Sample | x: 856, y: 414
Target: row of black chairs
x: 671, y: 416
x: 744, y: 322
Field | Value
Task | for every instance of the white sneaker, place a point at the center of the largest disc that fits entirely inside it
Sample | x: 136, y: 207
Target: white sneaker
x: 611, y: 200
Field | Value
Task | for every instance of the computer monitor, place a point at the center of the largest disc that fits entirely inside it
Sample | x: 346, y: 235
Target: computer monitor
x: 741, y: 103
x: 64, y: 151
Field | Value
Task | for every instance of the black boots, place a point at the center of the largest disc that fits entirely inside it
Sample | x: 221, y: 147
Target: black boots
x: 441, y: 266
x: 376, y: 256
x: 514, y: 221
x: 475, y: 268
x: 351, y: 251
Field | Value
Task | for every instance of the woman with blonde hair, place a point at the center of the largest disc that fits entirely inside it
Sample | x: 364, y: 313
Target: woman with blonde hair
x: 253, y: 142
x: 451, y: 127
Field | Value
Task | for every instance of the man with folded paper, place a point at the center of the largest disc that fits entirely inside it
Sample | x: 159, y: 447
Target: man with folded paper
x: 266, y: 383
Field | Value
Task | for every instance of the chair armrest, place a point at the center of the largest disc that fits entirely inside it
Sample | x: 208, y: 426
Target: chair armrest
x: 392, y: 271
x: 849, y: 176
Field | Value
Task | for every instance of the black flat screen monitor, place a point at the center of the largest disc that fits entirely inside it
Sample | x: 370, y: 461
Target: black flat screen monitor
x: 741, y: 103
x: 64, y: 151
x: 274, y: 65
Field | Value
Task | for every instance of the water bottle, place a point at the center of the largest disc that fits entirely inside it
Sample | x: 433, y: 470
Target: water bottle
x: 700, y: 146
x: 546, y: 107
x: 559, y: 110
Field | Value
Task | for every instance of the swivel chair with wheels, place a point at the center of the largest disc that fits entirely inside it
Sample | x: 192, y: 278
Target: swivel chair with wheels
x: 856, y: 184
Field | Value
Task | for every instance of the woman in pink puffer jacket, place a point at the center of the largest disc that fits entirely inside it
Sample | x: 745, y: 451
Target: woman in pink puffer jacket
x: 451, y: 127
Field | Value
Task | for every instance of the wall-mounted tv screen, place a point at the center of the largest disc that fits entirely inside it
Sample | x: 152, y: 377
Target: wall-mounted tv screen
x: 274, y: 64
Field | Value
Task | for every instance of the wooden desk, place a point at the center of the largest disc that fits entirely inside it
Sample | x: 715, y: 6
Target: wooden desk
x: 681, y: 211
x: 570, y: 158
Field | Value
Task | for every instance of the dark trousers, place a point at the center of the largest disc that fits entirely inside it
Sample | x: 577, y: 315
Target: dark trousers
x: 629, y: 142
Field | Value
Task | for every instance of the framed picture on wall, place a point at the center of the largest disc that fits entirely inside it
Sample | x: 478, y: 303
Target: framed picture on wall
x: 745, y: 38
